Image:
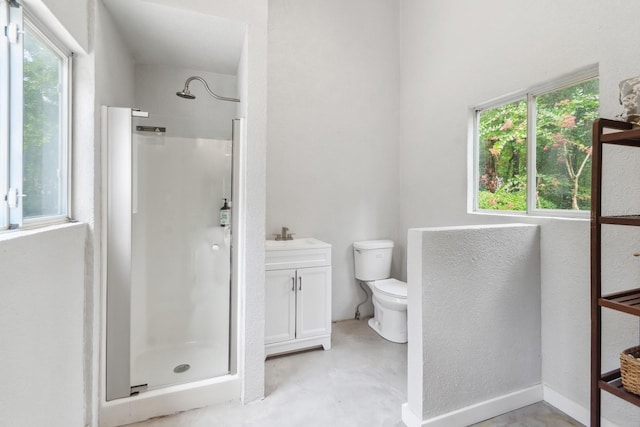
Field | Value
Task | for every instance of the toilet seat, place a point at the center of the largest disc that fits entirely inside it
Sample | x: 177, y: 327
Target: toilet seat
x: 391, y: 287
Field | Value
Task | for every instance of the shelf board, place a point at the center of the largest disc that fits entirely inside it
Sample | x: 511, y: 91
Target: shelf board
x: 626, y: 301
x: 628, y: 137
x: 620, y: 220
x: 612, y: 383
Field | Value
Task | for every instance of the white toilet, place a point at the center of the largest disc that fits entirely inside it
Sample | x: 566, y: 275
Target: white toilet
x: 373, y: 266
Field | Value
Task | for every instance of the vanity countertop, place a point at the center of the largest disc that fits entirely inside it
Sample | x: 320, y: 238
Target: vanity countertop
x: 295, y: 244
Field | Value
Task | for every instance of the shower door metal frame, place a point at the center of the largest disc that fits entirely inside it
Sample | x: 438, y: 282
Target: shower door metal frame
x: 119, y: 141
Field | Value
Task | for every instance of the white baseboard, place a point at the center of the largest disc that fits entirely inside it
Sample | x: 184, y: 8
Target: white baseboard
x: 477, y: 412
x: 568, y: 406
x: 500, y: 405
x: 408, y: 417
x: 571, y: 408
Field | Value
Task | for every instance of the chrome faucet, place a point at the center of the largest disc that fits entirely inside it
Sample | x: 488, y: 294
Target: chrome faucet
x: 285, y: 235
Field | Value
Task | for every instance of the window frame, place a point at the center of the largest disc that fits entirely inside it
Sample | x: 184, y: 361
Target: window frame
x: 529, y: 96
x: 4, y: 119
x: 11, y: 116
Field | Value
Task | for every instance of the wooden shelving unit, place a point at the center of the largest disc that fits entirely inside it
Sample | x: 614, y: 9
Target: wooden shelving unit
x: 627, y: 301
x: 612, y: 383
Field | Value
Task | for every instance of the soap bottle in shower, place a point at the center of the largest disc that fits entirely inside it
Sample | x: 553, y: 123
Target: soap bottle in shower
x: 225, y: 214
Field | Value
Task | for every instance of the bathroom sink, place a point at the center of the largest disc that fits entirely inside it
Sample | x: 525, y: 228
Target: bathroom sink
x: 295, y: 244
x: 296, y: 253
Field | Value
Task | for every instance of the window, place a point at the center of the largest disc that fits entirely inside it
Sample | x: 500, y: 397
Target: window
x: 533, y: 150
x: 34, y: 118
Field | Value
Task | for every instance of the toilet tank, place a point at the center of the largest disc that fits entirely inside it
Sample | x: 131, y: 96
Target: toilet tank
x: 373, y: 259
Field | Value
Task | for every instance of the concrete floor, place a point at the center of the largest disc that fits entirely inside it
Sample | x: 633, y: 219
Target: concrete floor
x: 361, y: 381
x: 540, y: 414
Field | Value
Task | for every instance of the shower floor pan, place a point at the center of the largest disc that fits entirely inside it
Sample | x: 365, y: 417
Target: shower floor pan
x: 181, y: 364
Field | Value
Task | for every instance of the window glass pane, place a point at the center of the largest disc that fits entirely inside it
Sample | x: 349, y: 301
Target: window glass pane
x: 502, y: 157
x: 4, y: 119
x: 44, y: 165
x: 563, y: 146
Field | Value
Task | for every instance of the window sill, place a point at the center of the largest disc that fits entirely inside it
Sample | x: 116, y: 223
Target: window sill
x: 582, y: 217
x: 22, y: 233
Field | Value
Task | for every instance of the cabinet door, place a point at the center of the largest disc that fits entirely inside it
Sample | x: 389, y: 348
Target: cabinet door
x: 280, y: 309
x: 313, y: 302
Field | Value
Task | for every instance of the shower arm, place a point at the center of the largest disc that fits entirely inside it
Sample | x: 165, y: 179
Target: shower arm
x: 206, y: 86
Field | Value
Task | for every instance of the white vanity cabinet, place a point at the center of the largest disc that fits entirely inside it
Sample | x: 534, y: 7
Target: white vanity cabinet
x: 298, y: 295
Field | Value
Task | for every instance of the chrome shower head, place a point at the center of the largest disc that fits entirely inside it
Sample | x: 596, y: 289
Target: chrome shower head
x: 188, y: 95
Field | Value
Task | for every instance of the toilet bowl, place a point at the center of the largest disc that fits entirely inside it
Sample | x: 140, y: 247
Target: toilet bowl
x: 373, y: 266
x: 390, y: 309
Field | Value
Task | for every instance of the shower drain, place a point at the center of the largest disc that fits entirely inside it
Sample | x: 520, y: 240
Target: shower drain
x: 181, y: 368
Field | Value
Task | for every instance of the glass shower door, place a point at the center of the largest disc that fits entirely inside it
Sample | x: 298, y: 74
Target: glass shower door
x: 180, y: 259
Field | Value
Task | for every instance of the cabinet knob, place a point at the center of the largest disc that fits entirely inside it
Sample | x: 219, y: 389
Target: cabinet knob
x: 293, y: 284
x: 300, y: 283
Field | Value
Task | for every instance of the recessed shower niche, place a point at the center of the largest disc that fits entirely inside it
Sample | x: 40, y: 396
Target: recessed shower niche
x: 170, y: 294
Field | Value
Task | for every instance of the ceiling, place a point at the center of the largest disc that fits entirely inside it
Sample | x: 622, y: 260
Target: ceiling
x: 162, y: 35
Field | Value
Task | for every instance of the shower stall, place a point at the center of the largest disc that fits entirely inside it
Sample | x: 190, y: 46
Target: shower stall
x: 170, y: 299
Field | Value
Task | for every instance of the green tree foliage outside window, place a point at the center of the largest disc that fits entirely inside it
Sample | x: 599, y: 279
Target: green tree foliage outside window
x: 41, y: 130
x: 563, y: 123
x: 503, y: 157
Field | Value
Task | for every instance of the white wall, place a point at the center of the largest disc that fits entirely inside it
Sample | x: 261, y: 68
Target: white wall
x: 203, y: 117
x: 42, y: 327
x: 458, y: 54
x: 115, y: 68
x: 73, y: 17
x: 46, y: 326
x: 474, y: 322
x: 114, y: 86
x: 68, y: 22
x: 333, y: 129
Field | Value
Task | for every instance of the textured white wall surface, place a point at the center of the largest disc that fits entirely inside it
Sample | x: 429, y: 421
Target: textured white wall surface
x: 67, y: 20
x: 114, y: 86
x: 115, y: 68
x: 47, y: 275
x: 475, y: 293
x: 455, y: 55
x: 333, y: 129
x: 42, y: 327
